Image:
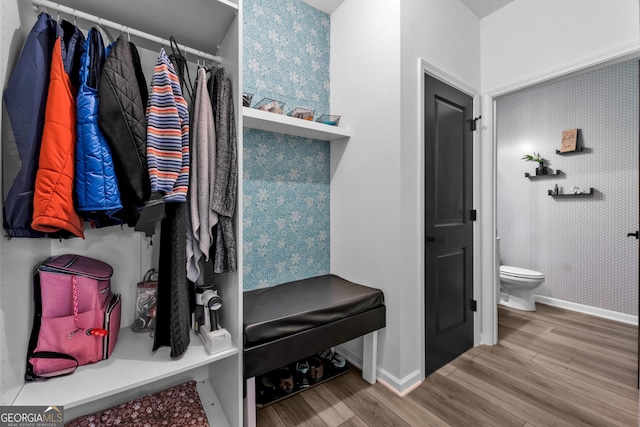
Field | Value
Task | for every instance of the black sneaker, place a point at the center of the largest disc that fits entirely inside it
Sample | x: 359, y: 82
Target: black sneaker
x: 303, y: 370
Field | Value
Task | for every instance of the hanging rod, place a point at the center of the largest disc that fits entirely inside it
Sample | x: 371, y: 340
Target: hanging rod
x: 131, y: 31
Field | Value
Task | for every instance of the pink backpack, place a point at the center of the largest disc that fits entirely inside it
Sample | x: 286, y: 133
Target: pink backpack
x: 77, y: 317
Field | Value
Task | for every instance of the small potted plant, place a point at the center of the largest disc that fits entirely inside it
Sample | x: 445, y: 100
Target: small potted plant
x: 541, y: 169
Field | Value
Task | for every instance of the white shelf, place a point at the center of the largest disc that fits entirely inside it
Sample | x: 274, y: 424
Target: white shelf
x: 202, y: 28
x: 132, y: 364
x: 281, y: 123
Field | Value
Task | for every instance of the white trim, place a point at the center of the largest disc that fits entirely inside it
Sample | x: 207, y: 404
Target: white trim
x: 422, y: 67
x: 604, y: 59
x: 434, y: 71
x: 399, y: 386
x: 586, y: 309
x: 487, y: 222
x: 403, y: 386
x: 479, y: 328
x: 396, y: 392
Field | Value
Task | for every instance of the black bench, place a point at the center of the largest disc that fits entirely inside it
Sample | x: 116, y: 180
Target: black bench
x: 289, y: 322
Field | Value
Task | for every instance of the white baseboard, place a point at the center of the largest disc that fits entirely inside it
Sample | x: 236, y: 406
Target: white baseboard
x: 401, y: 387
x: 586, y: 309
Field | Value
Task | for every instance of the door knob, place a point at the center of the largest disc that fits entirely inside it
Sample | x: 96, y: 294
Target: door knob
x: 432, y: 238
x: 633, y: 235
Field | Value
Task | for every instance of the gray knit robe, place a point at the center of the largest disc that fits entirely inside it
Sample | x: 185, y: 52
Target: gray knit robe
x: 223, y: 200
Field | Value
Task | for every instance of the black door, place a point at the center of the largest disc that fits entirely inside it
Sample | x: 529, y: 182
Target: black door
x: 449, y: 229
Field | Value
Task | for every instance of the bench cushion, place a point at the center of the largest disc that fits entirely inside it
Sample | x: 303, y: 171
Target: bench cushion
x: 287, y: 309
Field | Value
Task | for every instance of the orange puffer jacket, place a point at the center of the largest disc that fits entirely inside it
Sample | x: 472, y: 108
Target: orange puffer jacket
x: 53, y: 207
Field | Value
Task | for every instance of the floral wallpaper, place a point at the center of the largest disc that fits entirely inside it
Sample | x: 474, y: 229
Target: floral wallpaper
x: 286, y: 184
x: 286, y: 208
x: 286, y: 54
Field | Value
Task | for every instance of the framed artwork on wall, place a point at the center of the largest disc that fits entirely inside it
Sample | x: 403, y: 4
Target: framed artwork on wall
x: 569, y: 140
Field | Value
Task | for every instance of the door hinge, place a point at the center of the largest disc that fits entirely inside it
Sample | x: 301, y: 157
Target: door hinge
x: 474, y: 305
x: 473, y: 215
x: 474, y: 123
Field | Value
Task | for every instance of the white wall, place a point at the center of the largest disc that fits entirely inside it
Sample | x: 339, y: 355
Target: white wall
x: 376, y: 175
x: 365, y: 171
x: 530, y: 38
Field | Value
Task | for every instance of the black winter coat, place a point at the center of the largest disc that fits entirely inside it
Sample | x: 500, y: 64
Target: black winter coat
x: 121, y: 117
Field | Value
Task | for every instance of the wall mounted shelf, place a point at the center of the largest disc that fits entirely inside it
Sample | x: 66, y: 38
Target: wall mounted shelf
x: 557, y: 172
x: 577, y: 150
x: 589, y: 193
x: 280, y: 123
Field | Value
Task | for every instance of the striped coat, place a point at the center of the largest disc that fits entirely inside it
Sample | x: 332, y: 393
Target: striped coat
x: 167, y: 133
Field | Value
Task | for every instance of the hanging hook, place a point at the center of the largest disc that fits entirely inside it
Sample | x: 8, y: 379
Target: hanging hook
x: 128, y: 35
x: 58, y: 10
x: 75, y: 22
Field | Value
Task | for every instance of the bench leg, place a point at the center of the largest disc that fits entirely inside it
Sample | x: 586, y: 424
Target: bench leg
x: 369, y: 357
x: 250, y: 403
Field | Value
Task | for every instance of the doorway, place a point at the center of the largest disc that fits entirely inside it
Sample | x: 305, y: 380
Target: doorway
x: 537, y: 225
x: 449, y: 216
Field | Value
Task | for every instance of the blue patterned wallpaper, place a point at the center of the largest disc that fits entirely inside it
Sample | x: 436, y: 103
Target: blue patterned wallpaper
x: 286, y: 210
x: 286, y: 53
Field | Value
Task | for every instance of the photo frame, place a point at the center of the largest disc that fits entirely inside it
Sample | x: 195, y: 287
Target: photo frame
x: 569, y: 140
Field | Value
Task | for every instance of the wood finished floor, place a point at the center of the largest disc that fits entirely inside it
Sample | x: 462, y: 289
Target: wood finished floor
x: 551, y: 367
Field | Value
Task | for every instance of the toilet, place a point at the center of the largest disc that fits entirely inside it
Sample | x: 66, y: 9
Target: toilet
x: 517, y: 286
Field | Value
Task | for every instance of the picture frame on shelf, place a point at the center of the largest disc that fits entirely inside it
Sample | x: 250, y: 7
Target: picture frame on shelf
x: 569, y: 140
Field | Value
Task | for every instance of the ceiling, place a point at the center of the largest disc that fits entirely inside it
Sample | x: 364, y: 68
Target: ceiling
x: 327, y: 6
x: 481, y: 8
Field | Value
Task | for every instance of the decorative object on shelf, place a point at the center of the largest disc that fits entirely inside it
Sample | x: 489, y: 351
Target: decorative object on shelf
x: 270, y: 105
x: 541, y: 169
x: 575, y: 191
x: 329, y: 119
x: 569, y: 140
x: 246, y: 99
x: 556, y: 172
x: 302, y: 113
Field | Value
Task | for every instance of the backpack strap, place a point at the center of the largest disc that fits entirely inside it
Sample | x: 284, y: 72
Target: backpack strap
x: 30, y: 375
x: 37, y: 320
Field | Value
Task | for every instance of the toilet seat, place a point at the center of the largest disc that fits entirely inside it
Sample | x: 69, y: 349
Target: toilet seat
x: 517, y: 272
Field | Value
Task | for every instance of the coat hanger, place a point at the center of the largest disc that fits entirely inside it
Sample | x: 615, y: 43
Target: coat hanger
x: 181, y: 66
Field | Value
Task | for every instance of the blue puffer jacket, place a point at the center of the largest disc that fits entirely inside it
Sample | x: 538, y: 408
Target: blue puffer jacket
x: 96, y: 183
